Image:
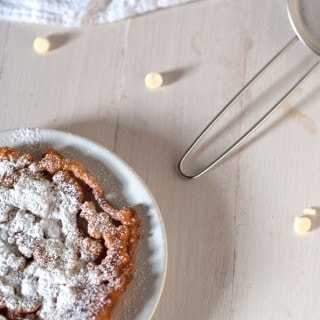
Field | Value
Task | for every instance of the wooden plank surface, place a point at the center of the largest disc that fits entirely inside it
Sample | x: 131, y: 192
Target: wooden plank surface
x: 232, y: 250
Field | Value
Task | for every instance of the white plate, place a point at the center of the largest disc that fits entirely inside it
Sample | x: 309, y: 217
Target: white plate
x: 122, y: 186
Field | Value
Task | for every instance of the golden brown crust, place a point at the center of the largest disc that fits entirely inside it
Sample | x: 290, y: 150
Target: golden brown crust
x: 109, y: 236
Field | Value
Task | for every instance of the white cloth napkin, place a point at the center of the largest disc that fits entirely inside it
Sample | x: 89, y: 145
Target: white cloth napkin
x: 76, y: 13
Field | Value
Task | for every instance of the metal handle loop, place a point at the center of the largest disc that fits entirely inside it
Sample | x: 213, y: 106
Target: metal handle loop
x: 228, y: 106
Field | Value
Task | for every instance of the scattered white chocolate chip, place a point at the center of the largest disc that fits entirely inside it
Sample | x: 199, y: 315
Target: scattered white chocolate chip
x: 41, y: 44
x: 311, y: 211
x: 153, y: 80
x: 302, y: 224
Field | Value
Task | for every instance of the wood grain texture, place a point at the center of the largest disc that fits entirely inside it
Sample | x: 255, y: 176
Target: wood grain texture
x: 232, y: 250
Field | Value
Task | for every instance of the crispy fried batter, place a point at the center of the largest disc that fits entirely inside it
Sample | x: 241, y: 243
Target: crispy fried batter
x: 107, y: 237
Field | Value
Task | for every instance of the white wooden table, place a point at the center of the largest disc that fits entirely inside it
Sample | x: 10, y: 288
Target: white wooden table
x: 233, y: 253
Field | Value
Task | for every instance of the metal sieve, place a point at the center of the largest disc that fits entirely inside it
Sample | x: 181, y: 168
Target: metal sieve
x: 304, y: 16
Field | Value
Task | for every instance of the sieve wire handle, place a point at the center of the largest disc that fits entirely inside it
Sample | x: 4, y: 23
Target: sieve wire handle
x: 228, y: 106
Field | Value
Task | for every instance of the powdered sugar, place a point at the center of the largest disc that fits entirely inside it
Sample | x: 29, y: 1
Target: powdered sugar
x: 41, y: 264
x: 122, y: 186
x: 31, y: 193
x: 27, y: 135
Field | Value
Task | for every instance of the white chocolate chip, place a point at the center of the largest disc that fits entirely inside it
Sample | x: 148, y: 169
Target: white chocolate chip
x: 41, y: 45
x: 153, y: 80
x: 302, y: 224
x: 310, y: 211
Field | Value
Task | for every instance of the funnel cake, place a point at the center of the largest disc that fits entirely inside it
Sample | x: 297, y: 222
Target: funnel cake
x: 65, y: 252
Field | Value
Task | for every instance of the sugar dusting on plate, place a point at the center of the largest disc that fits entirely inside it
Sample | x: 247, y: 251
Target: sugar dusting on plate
x: 29, y: 140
